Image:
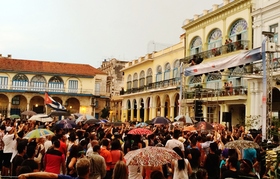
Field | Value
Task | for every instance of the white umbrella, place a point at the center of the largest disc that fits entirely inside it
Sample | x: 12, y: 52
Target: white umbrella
x: 188, y: 119
x: 41, y: 118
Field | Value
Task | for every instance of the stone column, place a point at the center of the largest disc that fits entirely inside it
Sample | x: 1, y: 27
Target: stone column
x: 222, y: 108
x: 138, y: 114
x: 162, y: 111
x: 172, y: 116
x: 9, y: 109
x: 132, y: 114
x: 146, y: 117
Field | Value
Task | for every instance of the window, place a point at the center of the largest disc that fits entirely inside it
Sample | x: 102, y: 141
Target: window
x: 149, y: 77
x: 159, y: 73
x: 176, y: 70
x: 135, y: 80
x: 142, y: 79
x: 97, y: 88
x: 20, y: 82
x: 129, y: 82
x: 274, y: 29
x: 215, y: 39
x: 3, y: 82
x: 238, y: 31
x: 214, y: 81
x: 16, y: 100
x: 56, y: 84
x: 38, y: 83
x: 73, y: 86
x: 196, y: 46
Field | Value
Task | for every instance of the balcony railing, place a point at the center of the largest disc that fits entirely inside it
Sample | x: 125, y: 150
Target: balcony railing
x: 16, y: 88
x: 174, y: 82
x: 206, y: 93
x: 224, y: 49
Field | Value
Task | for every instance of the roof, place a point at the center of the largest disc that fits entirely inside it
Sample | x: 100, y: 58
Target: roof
x: 46, y: 67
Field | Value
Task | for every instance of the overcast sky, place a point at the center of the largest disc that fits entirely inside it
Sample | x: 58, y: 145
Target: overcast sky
x: 89, y: 31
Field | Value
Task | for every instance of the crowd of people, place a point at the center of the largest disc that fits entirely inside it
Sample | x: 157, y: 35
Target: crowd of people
x: 97, y: 151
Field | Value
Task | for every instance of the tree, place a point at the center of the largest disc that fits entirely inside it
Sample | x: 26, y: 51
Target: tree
x: 105, y: 112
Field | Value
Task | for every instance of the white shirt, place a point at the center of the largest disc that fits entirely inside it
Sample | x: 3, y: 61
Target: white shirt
x: 47, y: 145
x: 8, y: 143
x: 172, y: 143
x: 134, y: 172
x: 183, y: 174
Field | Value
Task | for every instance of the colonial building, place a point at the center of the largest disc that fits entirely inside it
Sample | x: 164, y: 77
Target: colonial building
x: 222, y: 39
x: 114, y: 85
x: 79, y: 87
x: 152, y: 85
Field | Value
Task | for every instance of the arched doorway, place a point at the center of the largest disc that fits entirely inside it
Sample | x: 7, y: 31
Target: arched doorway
x: 72, y: 105
x: 128, y: 110
x: 158, y: 105
x: 37, y: 105
x: 142, y: 109
x: 176, y: 105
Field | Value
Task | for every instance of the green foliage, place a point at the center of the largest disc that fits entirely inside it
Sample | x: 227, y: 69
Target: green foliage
x: 105, y: 112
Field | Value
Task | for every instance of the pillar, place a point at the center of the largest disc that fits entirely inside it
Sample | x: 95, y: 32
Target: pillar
x: 138, y: 114
x: 146, y: 117
x: 204, y: 109
x: 162, y: 111
x: 222, y: 109
x: 172, y: 113
x: 9, y: 109
x: 124, y: 115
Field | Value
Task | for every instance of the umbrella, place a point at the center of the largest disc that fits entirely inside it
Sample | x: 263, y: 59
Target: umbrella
x: 84, y: 118
x: 14, y: 116
x: 104, y: 121
x: 115, y: 123
x: 140, y: 131
x: 92, y: 121
x: 202, y: 125
x: 65, y: 124
x: 241, y: 144
x: 189, y: 128
x: 77, y: 115
x: 28, y: 113
x: 41, y: 118
x: 183, y: 118
x: 38, y: 133
x: 160, y: 120
x: 141, y: 124
x: 59, y: 113
x: 218, y: 126
x: 151, y: 156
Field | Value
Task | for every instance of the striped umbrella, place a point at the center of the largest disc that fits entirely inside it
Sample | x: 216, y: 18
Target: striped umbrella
x: 38, y: 133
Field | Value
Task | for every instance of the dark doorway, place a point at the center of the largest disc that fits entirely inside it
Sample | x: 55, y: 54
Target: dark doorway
x: 38, y: 109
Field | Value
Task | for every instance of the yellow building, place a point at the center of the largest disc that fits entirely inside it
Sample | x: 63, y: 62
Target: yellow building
x: 219, y: 35
x: 151, y: 85
x: 79, y: 87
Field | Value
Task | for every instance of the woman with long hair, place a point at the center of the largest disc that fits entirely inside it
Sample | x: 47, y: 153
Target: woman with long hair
x: 181, y: 168
x: 72, y: 160
x: 120, y: 171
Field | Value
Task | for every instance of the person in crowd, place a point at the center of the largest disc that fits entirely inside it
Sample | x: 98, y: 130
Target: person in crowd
x: 120, y: 171
x: 106, y: 154
x: 232, y: 171
x: 201, y: 174
x: 82, y: 167
x: 2, y: 133
x: 98, y: 165
x: 90, y: 149
x: 40, y: 152
x: 195, y: 160
x: 55, y: 159
x: 30, y: 162
x: 72, y: 159
x: 116, y: 153
x: 9, y: 141
x: 135, y: 171
x: 174, y: 142
x: 157, y: 175
x: 181, y: 168
x: 19, y: 158
x: 212, y: 162
x: 246, y: 170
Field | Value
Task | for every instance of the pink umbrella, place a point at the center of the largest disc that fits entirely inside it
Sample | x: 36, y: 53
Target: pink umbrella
x: 140, y: 131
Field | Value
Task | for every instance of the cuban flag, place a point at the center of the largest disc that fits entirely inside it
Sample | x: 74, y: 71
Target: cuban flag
x: 53, y: 104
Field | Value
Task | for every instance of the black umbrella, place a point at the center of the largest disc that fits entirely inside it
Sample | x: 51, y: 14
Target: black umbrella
x: 92, y: 121
x: 160, y: 120
x: 59, y: 113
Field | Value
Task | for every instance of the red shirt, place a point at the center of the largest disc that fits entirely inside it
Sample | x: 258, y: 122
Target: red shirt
x: 62, y: 147
x: 53, y: 160
x: 106, y: 154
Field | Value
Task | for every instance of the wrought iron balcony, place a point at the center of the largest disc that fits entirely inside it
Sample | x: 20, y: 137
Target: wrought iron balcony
x: 224, y: 49
x: 173, y: 82
x: 206, y: 93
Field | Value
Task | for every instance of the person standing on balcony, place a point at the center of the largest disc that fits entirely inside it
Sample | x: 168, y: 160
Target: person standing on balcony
x: 230, y: 85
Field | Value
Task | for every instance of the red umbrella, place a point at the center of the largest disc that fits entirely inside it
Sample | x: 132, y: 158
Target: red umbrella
x: 140, y: 131
x: 202, y: 125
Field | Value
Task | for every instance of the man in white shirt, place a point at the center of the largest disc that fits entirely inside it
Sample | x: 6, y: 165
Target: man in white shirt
x: 174, y: 142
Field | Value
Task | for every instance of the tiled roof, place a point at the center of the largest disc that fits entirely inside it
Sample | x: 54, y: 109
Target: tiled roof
x: 45, y: 67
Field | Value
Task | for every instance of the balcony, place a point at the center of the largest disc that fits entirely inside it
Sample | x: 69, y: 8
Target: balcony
x: 224, y: 49
x: 174, y: 82
x: 208, y: 93
x: 23, y: 89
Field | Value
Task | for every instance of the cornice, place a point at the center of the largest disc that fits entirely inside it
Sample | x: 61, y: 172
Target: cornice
x: 274, y: 6
x: 217, y: 15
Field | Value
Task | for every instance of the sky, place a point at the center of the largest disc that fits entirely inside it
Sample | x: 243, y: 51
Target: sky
x: 89, y: 31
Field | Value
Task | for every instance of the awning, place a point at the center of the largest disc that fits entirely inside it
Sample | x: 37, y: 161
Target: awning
x: 241, y: 58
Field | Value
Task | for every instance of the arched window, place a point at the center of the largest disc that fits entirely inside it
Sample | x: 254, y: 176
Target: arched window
x: 128, y: 82
x: 135, y: 80
x: 238, y: 31
x: 215, y: 39
x: 20, y: 82
x: 214, y: 80
x: 196, y: 80
x: 56, y: 84
x: 159, y: 74
x: 176, y: 70
x: 38, y: 83
x: 196, y: 46
x: 235, y: 76
x: 167, y: 69
x: 149, y: 78
x: 142, y: 79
